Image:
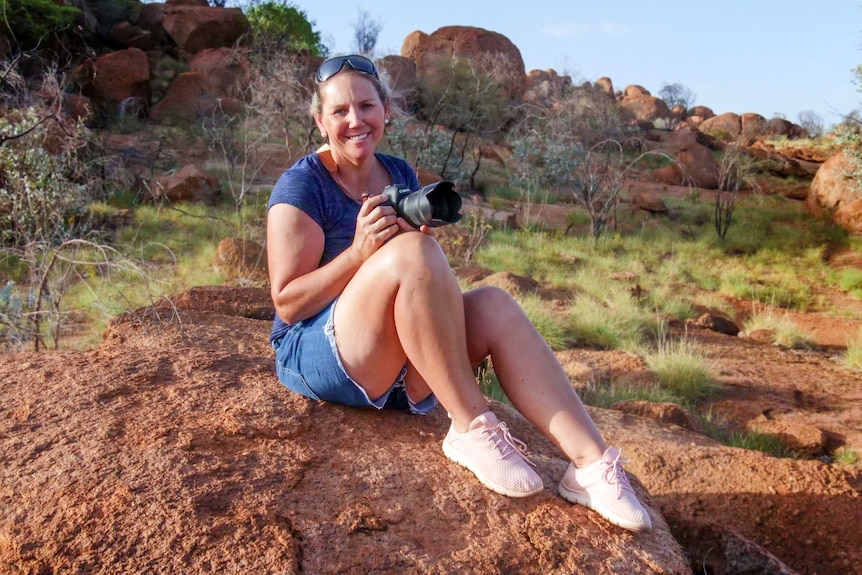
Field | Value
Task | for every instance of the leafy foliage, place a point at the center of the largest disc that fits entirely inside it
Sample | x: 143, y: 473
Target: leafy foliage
x: 280, y: 24
x: 28, y: 22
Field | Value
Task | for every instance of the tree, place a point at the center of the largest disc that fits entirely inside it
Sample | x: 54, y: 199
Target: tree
x: 577, y: 147
x: 811, y: 122
x: 677, y: 95
x: 461, y: 100
x: 736, y: 171
x: 365, y: 33
x: 279, y: 25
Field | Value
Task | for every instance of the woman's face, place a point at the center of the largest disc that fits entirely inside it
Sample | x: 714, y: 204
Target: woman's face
x: 352, y: 116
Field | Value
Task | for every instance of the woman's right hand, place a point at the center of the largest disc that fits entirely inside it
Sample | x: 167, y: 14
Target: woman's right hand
x: 375, y: 225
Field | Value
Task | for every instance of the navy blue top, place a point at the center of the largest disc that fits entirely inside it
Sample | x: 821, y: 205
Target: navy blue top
x: 309, y: 186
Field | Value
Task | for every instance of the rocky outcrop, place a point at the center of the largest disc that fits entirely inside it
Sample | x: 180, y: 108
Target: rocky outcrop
x: 172, y: 448
x: 694, y: 165
x: 226, y: 72
x: 725, y: 127
x: 834, y: 191
x: 195, y: 28
x: 471, y: 43
x: 546, y: 86
x: 640, y: 105
x: 116, y: 77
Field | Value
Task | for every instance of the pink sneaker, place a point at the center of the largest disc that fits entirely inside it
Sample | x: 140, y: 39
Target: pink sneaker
x: 604, y: 487
x: 494, y: 456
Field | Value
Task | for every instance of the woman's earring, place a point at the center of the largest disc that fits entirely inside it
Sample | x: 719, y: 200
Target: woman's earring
x: 386, y: 121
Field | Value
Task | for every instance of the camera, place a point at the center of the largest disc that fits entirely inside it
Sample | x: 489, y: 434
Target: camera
x: 434, y: 205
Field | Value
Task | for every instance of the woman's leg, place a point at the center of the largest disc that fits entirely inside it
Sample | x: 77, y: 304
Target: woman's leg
x: 538, y: 387
x: 404, y: 302
x: 529, y: 373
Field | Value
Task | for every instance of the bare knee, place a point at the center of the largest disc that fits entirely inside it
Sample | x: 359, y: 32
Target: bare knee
x: 489, y: 312
x: 488, y: 303
x: 411, y: 252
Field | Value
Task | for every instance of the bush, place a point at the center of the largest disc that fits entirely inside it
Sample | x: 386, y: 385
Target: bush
x: 29, y: 22
x: 278, y: 24
x: 38, y: 199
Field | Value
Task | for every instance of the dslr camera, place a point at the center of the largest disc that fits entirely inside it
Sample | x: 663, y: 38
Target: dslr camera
x: 434, y: 205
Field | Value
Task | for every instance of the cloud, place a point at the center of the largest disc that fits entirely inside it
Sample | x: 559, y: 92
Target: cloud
x: 570, y: 30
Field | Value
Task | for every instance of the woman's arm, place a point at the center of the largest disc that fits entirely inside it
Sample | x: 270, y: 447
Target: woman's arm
x: 294, y: 243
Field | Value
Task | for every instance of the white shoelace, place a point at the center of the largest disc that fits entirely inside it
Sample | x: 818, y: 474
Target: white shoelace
x: 615, y: 474
x: 509, y: 442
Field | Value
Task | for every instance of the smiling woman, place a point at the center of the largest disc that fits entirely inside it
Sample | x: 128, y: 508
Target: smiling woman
x: 369, y: 314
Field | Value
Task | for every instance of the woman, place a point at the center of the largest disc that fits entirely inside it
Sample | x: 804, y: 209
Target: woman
x: 368, y: 312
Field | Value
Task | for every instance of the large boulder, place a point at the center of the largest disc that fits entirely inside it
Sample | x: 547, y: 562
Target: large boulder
x: 834, y: 190
x: 226, y: 72
x: 753, y: 126
x: 116, y: 78
x: 695, y: 164
x: 241, y: 259
x: 476, y: 44
x: 196, y: 28
x: 638, y: 104
x: 173, y: 448
x: 725, y: 127
x: 188, y: 184
x: 546, y: 86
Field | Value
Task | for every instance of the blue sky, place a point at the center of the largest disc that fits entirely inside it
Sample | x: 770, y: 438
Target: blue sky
x: 763, y: 56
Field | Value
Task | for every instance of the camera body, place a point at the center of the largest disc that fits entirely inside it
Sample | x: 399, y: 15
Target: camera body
x: 434, y: 205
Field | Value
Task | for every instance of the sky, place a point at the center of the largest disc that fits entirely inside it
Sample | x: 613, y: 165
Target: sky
x: 771, y: 57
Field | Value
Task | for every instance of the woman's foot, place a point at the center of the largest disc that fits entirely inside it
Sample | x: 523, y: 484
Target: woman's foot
x: 604, y: 487
x: 494, y: 456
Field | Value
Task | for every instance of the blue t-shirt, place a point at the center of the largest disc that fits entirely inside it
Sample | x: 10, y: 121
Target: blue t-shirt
x: 308, y: 186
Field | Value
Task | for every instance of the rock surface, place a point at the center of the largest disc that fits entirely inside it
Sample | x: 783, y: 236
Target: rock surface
x: 172, y: 448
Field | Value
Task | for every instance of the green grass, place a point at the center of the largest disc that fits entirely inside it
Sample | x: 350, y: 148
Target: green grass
x: 850, y: 280
x: 846, y: 456
x: 606, y: 394
x: 682, y: 369
x: 551, y: 326
x: 716, y: 427
x: 785, y: 332
x: 851, y: 358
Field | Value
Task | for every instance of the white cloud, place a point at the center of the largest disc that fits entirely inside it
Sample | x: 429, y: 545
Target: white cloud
x: 570, y: 30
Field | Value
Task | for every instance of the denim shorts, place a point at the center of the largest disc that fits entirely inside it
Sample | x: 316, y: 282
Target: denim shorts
x: 307, y: 362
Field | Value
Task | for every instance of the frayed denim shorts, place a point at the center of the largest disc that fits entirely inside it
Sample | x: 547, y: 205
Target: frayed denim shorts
x: 307, y: 362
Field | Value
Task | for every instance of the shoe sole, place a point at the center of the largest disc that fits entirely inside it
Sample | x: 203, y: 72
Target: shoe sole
x: 586, y: 501
x: 454, y: 456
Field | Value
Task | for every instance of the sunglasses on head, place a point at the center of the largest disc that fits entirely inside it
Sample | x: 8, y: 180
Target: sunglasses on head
x: 334, y: 65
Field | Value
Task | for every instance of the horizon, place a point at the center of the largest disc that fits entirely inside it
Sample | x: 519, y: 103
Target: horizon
x: 790, y: 56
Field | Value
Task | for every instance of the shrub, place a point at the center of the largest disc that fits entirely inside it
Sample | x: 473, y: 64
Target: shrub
x: 29, y: 22
x: 281, y: 26
x: 39, y: 199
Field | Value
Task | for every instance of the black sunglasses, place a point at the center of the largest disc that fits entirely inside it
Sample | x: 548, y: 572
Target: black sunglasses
x: 334, y: 65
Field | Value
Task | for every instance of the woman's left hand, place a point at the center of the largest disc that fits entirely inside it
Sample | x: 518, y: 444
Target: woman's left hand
x: 406, y: 227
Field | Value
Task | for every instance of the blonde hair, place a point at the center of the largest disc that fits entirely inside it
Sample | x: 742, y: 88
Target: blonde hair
x: 380, y: 82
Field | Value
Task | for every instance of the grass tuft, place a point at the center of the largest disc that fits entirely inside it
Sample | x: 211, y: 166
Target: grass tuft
x: 682, y: 369
x: 785, y: 332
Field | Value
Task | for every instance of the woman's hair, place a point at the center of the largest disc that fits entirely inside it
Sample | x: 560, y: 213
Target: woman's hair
x: 380, y: 82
